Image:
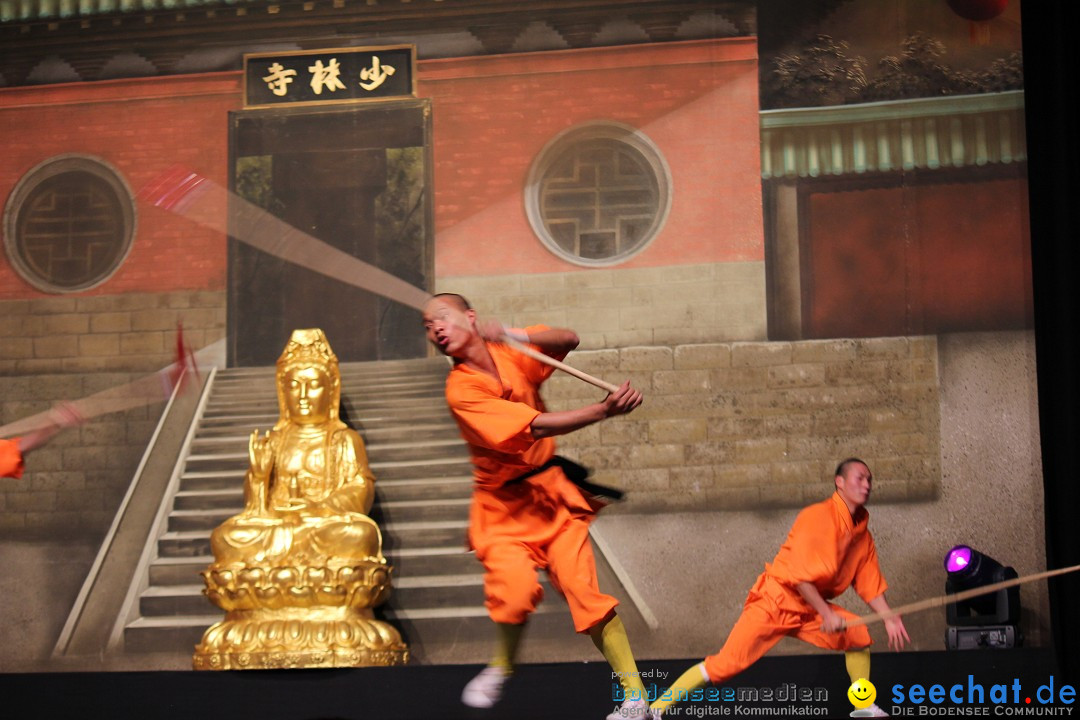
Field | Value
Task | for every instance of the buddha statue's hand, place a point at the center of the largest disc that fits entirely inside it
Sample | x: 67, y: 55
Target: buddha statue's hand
x: 261, y: 454
x: 295, y: 508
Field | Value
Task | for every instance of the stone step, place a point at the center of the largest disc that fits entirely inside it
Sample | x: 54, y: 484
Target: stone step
x: 410, y: 516
x: 175, y: 634
x: 409, y: 594
x: 178, y: 571
x: 189, y: 509
x: 236, y: 454
x: 264, y: 418
x: 212, y: 480
x: 351, y: 394
x: 417, y: 432
x: 450, y: 460
x: 414, y: 561
x: 357, y: 407
x: 447, y: 533
x: 434, y: 533
x: 374, y: 368
x: 406, y: 562
x: 443, y: 635
x: 413, y: 469
x: 348, y: 378
x: 215, y: 489
x: 175, y: 600
x: 397, y: 511
x: 231, y: 499
x: 432, y: 489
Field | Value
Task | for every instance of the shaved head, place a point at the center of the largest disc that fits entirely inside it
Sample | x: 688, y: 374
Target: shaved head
x: 842, y: 468
x: 458, y: 301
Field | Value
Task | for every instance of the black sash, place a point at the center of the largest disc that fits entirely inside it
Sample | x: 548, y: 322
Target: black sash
x: 577, y: 474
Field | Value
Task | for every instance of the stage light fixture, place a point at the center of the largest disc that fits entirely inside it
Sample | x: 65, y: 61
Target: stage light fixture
x: 986, y: 621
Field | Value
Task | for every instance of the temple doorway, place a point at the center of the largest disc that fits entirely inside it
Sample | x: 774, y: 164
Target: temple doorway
x: 357, y: 177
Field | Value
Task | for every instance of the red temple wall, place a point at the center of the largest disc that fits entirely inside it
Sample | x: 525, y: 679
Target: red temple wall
x: 697, y: 101
x: 140, y: 127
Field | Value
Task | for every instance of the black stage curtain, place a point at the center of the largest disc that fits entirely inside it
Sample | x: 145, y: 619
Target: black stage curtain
x: 1050, y: 40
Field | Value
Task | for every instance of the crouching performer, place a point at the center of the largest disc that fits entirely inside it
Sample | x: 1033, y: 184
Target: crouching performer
x: 828, y: 549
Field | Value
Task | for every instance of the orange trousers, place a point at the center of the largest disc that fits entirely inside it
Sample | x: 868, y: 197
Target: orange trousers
x: 768, y: 617
x: 512, y: 589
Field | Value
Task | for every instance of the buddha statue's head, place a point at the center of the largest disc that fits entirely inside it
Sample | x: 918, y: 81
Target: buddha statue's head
x: 308, y: 380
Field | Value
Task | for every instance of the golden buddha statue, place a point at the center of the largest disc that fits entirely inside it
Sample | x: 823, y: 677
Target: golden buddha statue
x: 300, y: 568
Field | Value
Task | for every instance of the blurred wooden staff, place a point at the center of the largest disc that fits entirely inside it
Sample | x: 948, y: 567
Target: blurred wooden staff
x: 187, y: 193
x: 942, y: 600
x: 147, y: 390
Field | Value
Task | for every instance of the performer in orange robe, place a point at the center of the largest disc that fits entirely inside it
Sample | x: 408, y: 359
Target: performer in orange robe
x: 526, y: 514
x: 828, y: 550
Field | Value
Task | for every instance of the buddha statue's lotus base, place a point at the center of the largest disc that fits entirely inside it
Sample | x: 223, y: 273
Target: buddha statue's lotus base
x: 293, y: 638
x: 288, y: 617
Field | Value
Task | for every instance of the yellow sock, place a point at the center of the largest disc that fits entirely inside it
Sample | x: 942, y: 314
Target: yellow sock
x: 506, y: 645
x: 610, y: 639
x: 689, y: 681
x: 858, y: 664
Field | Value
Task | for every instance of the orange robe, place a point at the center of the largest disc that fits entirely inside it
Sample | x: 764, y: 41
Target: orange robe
x: 826, y: 547
x: 539, y: 522
x: 11, y: 460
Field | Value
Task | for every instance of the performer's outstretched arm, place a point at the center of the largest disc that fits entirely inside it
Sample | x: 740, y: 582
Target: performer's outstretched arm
x: 620, y: 402
x: 554, y: 342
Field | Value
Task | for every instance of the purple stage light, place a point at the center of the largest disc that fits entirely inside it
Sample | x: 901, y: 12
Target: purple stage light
x: 958, y: 559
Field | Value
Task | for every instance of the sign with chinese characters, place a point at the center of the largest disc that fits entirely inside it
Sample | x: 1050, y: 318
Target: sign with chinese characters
x: 329, y: 76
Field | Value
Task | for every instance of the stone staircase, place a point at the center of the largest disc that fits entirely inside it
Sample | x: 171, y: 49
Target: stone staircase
x: 423, y: 487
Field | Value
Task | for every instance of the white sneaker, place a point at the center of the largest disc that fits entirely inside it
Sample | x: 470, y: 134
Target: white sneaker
x: 484, y: 690
x: 871, y: 710
x: 632, y: 708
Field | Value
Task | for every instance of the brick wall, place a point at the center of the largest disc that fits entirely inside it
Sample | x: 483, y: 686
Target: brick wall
x: 729, y: 426
x: 493, y: 115
x: 141, y: 128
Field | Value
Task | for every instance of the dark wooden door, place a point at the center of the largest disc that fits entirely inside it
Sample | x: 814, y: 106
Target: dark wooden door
x: 357, y: 178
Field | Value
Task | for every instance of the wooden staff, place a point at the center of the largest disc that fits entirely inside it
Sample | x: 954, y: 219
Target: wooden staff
x: 526, y: 350
x: 921, y: 605
x: 147, y: 390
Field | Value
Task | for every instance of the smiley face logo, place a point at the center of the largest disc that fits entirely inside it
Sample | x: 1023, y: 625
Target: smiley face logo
x: 862, y: 693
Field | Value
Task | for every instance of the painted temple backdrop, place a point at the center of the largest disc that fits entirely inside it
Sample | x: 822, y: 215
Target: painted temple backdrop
x: 801, y: 229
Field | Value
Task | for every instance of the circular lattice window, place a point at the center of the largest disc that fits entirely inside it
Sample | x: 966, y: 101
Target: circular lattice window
x: 69, y: 224
x: 598, y: 194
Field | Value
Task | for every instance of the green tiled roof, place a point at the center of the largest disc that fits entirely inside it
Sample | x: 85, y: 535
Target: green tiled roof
x: 29, y: 10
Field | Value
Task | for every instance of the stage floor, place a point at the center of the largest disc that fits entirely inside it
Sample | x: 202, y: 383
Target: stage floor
x: 558, y: 690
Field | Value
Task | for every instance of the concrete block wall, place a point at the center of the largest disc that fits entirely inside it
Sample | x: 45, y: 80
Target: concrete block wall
x: 614, y: 307
x: 105, y: 333
x: 746, y: 425
x: 69, y: 347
